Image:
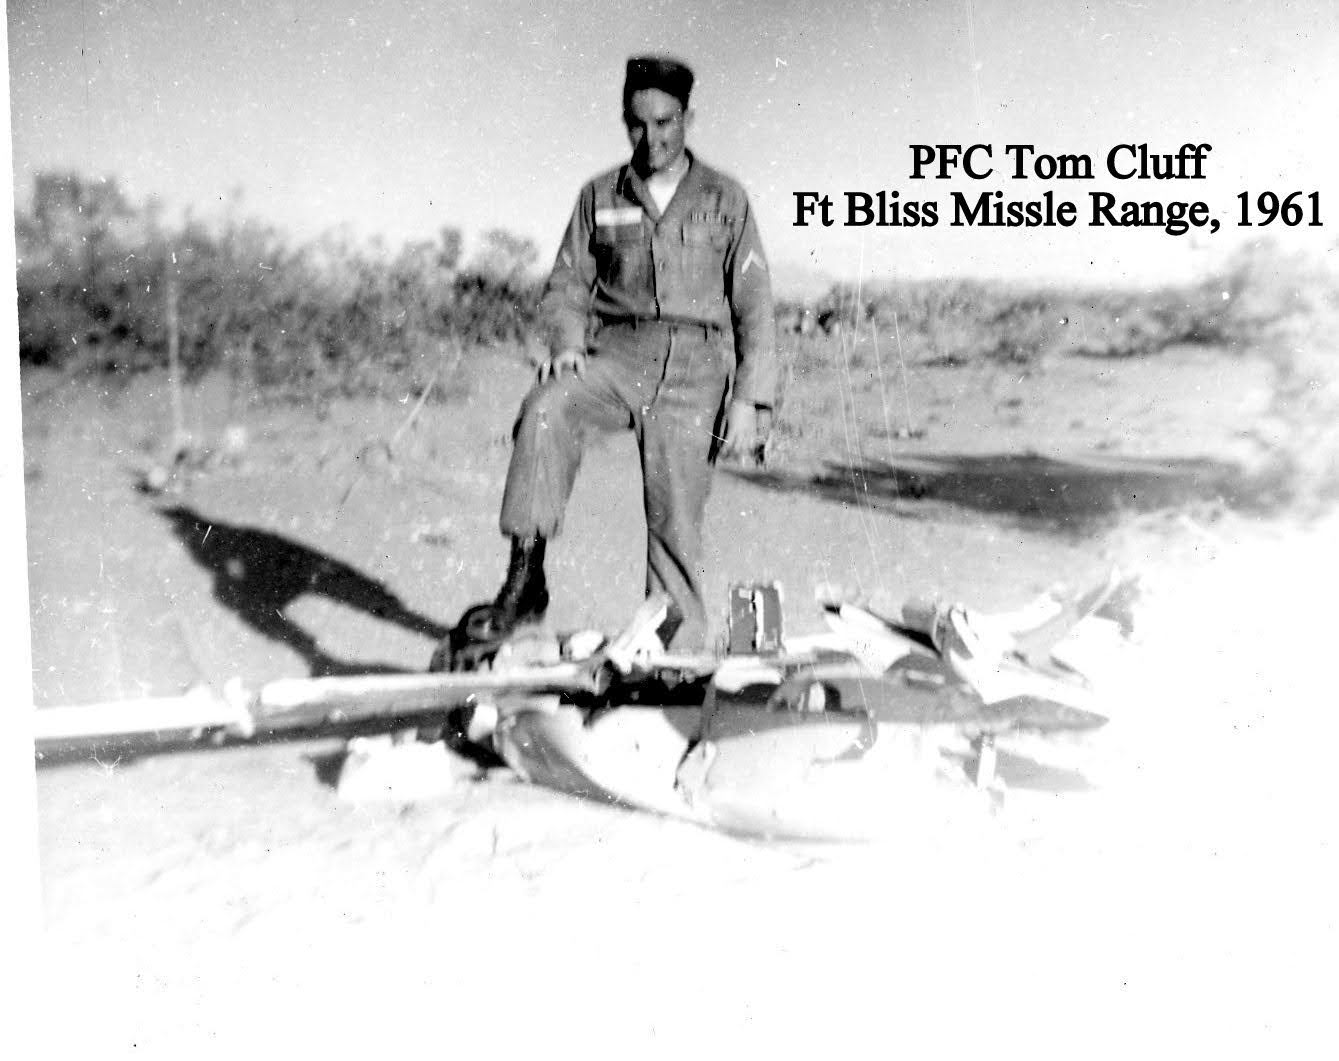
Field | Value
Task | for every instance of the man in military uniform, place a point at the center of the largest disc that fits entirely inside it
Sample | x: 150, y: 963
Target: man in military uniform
x: 659, y: 270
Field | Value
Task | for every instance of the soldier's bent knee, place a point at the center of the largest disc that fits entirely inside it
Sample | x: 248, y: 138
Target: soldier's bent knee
x: 545, y: 404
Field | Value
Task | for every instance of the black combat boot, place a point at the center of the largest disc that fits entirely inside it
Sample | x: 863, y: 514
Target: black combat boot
x: 482, y: 629
x: 524, y: 593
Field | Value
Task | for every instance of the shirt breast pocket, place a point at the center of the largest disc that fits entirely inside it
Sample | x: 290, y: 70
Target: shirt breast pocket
x: 621, y: 254
x: 705, y: 244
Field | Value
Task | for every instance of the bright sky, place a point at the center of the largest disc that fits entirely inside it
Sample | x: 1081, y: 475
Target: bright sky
x: 401, y: 117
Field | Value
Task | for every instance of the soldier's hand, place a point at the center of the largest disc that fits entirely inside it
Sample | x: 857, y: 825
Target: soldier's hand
x: 563, y: 362
x: 746, y: 428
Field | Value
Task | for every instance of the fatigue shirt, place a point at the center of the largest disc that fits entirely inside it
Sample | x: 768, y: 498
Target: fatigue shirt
x: 701, y: 262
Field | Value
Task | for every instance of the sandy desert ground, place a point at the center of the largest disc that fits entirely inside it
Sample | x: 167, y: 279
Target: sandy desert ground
x: 219, y: 900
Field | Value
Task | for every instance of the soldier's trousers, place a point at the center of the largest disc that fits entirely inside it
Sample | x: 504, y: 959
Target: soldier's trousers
x: 667, y: 383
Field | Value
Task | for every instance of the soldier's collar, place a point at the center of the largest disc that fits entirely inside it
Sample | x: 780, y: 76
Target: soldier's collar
x: 633, y: 187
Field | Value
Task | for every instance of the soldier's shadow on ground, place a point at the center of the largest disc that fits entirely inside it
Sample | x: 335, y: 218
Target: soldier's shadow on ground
x: 1059, y: 496
x: 257, y: 574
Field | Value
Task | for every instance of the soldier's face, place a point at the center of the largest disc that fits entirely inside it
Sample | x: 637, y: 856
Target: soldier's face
x: 657, y: 125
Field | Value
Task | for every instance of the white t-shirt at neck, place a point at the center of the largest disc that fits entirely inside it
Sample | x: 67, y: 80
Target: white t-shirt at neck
x: 662, y: 186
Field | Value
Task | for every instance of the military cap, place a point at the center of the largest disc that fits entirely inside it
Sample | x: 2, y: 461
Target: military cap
x: 657, y: 71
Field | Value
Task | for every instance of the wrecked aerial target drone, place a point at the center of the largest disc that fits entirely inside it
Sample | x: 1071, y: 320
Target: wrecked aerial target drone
x: 831, y: 736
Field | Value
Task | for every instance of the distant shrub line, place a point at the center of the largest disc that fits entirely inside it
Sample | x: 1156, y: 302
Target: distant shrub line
x: 953, y: 322
x: 95, y: 269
